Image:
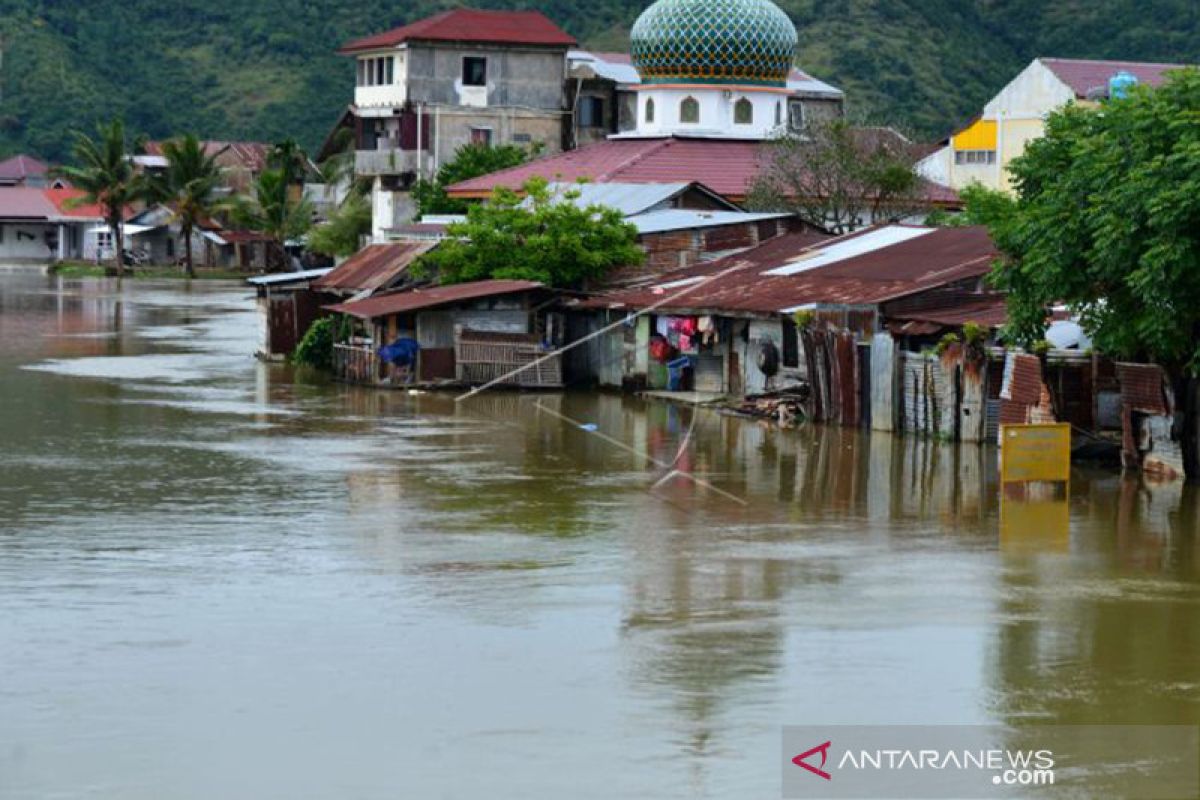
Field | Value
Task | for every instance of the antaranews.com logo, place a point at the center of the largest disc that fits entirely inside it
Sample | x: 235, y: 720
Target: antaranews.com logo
x: 901, y: 761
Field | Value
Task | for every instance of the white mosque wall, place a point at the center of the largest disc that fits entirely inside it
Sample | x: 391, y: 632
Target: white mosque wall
x: 717, y: 111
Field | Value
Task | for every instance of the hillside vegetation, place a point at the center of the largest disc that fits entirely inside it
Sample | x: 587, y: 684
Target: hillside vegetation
x: 265, y: 70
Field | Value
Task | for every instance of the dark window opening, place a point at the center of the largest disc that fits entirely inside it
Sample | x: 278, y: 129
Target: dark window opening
x: 481, y: 136
x: 791, y: 343
x: 591, y: 112
x: 474, y: 71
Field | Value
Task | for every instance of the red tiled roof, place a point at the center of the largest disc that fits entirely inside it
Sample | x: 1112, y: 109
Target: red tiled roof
x: 25, y: 202
x: 20, y: 167
x: 938, y: 258
x: 417, y: 299
x: 61, y: 198
x: 471, y: 25
x: 1084, y: 76
x: 727, y: 166
x: 373, y: 267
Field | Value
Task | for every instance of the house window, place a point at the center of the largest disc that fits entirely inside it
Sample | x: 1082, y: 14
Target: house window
x: 591, y: 112
x: 170, y: 247
x: 743, y: 112
x: 474, y: 72
x: 778, y: 113
x: 689, y: 111
x: 522, y: 138
x: 389, y: 71
x: 649, y: 109
x: 975, y: 157
x: 795, y: 117
x: 481, y: 136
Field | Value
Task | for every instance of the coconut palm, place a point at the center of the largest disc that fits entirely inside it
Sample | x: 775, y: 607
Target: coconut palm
x: 104, y: 171
x: 189, y: 187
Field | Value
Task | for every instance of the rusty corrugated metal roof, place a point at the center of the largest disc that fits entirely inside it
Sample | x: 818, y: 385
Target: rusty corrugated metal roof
x: 938, y: 257
x: 374, y: 267
x: 416, y: 299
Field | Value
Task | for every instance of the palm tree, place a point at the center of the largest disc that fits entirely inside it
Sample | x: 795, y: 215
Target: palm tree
x: 271, y: 210
x: 189, y: 187
x: 105, y: 172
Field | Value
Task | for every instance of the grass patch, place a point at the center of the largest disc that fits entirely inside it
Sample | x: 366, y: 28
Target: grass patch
x: 87, y: 269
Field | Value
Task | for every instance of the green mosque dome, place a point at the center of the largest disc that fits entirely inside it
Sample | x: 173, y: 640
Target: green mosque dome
x: 713, y: 41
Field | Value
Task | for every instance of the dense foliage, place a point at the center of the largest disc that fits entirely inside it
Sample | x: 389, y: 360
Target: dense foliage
x: 1107, y: 221
x: 275, y: 209
x: 267, y: 70
x: 316, y: 347
x: 542, y: 237
x: 470, y: 161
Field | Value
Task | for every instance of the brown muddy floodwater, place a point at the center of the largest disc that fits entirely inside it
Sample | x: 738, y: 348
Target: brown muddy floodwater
x: 221, y: 580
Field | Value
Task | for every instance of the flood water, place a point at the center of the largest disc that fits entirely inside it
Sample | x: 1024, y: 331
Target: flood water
x: 221, y: 579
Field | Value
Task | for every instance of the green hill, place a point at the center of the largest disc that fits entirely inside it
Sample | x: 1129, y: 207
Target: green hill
x: 266, y: 70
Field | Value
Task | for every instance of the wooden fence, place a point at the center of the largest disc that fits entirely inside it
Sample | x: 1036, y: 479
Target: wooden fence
x: 485, y: 356
x: 354, y: 363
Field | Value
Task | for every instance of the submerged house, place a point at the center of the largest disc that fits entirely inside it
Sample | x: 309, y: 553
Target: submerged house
x: 467, y: 333
x: 287, y: 306
x: 739, y: 321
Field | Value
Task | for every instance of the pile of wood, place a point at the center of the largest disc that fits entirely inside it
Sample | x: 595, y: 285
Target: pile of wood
x: 785, y: 406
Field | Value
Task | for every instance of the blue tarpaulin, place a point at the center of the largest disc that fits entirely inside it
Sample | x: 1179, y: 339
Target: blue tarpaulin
x: 402, y: 352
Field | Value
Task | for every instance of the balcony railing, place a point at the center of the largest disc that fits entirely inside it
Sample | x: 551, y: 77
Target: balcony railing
x: 393, y: 161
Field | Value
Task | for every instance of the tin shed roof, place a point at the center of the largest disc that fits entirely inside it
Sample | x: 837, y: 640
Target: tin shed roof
x: 471, y: 25
x: 416, y: 299
x: 374, y: 267
x: 880, y: 266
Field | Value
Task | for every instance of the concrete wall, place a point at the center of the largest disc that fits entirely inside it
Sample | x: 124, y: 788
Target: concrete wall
x: 529, y: 78
x: 716, y: 111
x: 26, y: 241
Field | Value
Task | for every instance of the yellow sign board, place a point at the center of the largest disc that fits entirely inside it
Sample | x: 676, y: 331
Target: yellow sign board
x: 1035, y: 452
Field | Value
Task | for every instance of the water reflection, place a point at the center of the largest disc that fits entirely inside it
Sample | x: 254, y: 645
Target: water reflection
x: 190, y: 537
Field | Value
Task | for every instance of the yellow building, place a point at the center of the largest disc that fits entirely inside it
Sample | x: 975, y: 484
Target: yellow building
x: 980, y: 152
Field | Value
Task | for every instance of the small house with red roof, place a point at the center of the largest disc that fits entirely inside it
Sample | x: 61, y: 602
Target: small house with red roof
x: 43, y: 225
x: 980, y: 151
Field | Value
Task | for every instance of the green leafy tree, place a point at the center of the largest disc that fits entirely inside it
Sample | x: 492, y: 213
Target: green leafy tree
x: 273, y: 210
x: 982, y: 206
x: 542, y: 236
x: 470, y: 161
x: 105, y: 172
x: 839, y: 176
x: 316, y: 347
x: 341, y: 233
x: 1107, y: 221
x: 189, y: 186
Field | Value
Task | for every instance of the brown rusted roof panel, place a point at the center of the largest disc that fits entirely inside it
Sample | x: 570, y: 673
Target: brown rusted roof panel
x: 1142, y: 388
x: 941, y: 257
x: 416, y: 299
x: 374, y: 267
